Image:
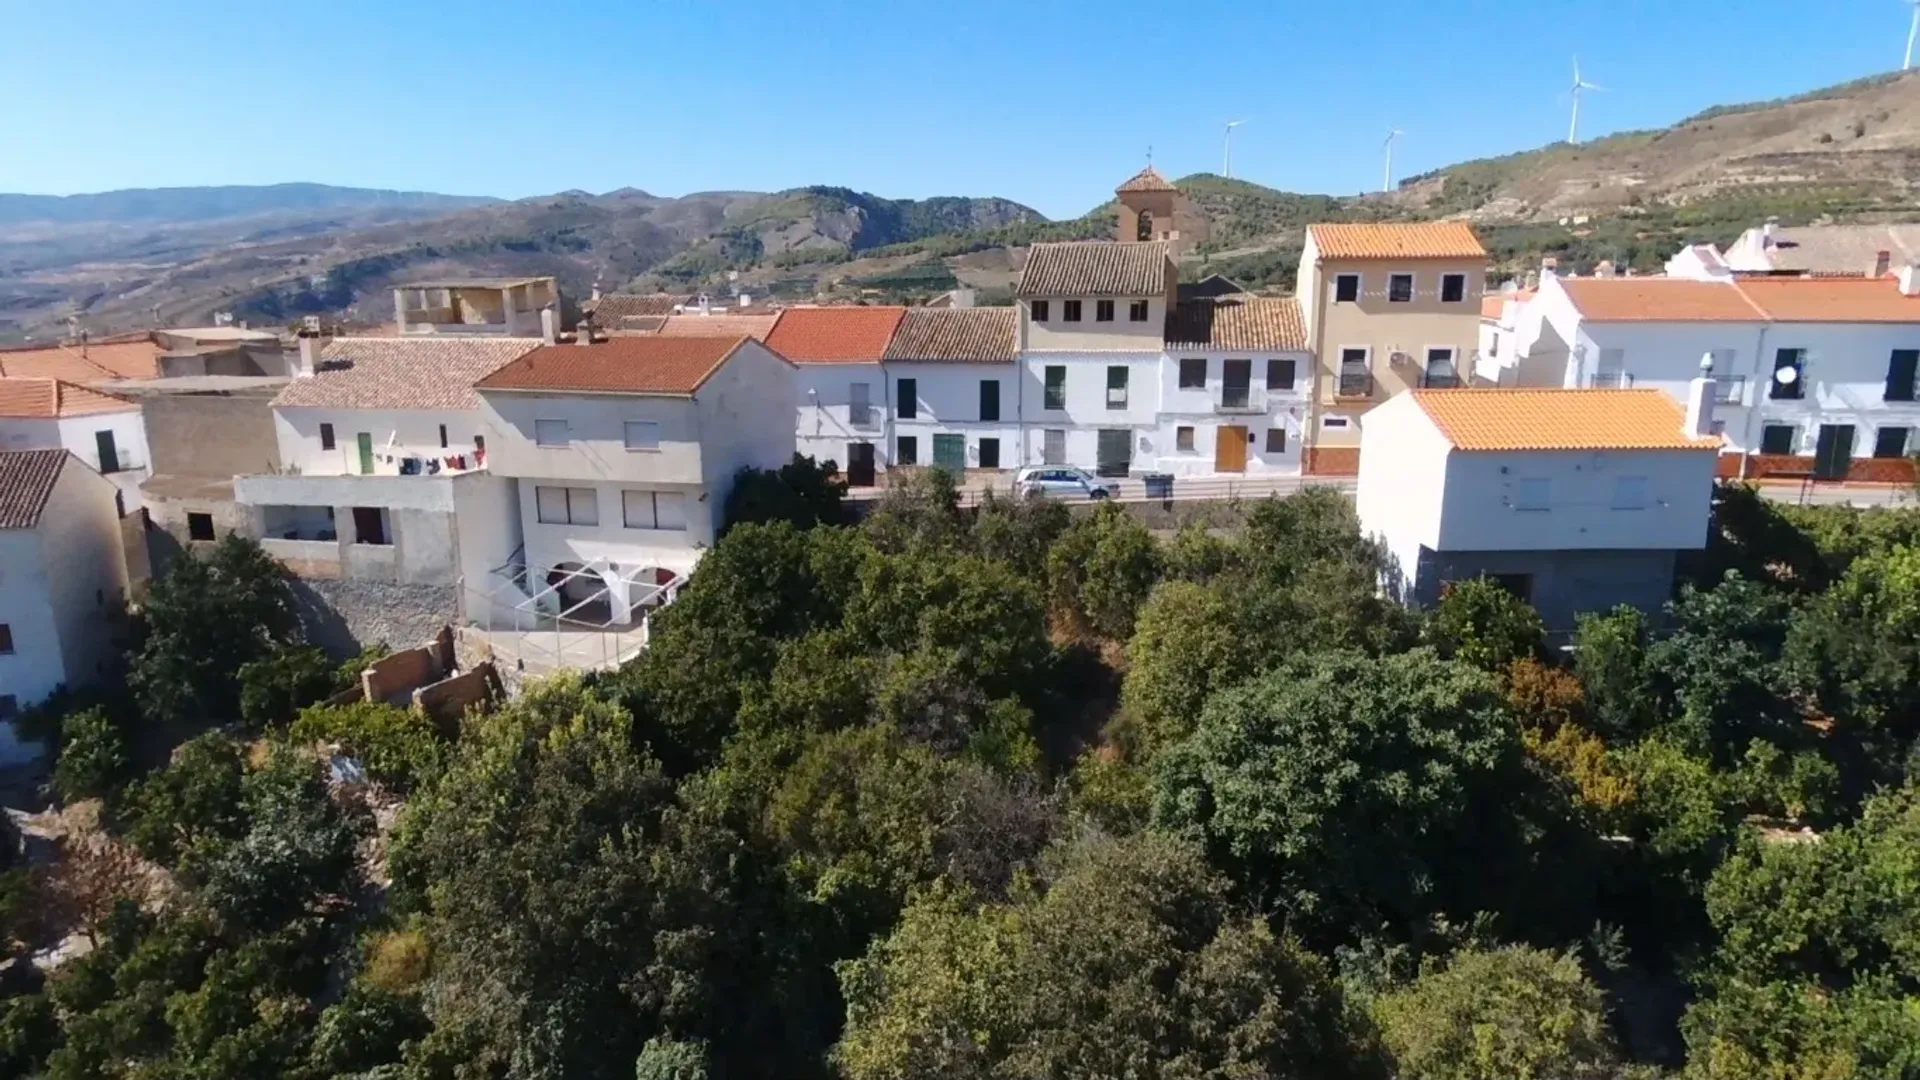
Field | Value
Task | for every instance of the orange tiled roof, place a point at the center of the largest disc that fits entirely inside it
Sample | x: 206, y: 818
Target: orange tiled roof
x: 1238, y: 324
x: 49, y: 398
x: 1659, y: 299
x: 1831, y: 299
x: 1559, y: 420
x: 112, y: 359
x: 1409, y: 240
x: 1147, y: 179
x: 834, y: 335
x: 981, y: 335
x: 756, y: 327
x: 647, y: 364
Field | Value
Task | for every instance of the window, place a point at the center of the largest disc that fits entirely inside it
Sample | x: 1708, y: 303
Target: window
x: 1531, y: 494
x: 909, y: 391
x: 9, y: 706
x: 326, y: 436
x: 1900, y: 373
x: 1183, y: 439
x: 1453, y: 288
x: 566, y: 506
x: 1056, y: 397
x: 1279, y: 374
x: 906, y: 450
x: 1143, y: 226
x: 989, y: 453
x: 108, y: 453
x: 443, y: 436
x: 1356, y: 375
x: 1117, y: 386
x: 859, y: 403
x: 1040, y: 309
x: 1440, y: 370
x: 1612, y: 371
x: 1776, y: 439
x: 1137, y: 311
x: 370, y: 526
x: 1789, y: 375
x: 989, y: 399
x: 1236, y: 384
x: 550, y: 433
x: 6, y: 640
x: 642, y: 434
x: 1493, y: 344
x: 1890, y: 442
x: 1053, y: 446
x: 1334, y: 422
x: 1070, y: 310
x: 1518, y: 586
x: 1103, y: 311
x: 1346, y: 288
x: 1399, y: 288
x: 1277, y: 440
x: 199, y: 526
x: 1193, y: 373
x: 654, y: 510
x: 1629, y: 493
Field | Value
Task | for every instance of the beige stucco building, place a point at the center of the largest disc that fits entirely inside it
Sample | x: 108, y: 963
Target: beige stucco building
x: 1152, y: 208
x: 1388, y: 307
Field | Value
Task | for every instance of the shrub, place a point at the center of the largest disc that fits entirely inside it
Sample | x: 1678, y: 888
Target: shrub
x: 93, y: 761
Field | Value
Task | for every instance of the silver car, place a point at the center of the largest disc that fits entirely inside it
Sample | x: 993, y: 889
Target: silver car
x: 1061, y: 482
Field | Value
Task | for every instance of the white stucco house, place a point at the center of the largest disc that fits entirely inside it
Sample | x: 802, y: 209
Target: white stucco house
x: 1092, y: 315
x: 63, y: 577
x: 1235, y: 387
x: 1576, y: 500
x: 843, y: 410
x: 956, y: 388
x: 1814, y: 376
x: 383, y: 464
x: 623, y: 452
x: 104, y: 430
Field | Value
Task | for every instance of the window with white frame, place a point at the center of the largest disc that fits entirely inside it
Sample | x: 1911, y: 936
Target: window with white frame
x: 1532, y: 493
x: 665, y: 510
x: 1629, y: 493
x: 550, y: 433
x: 1399, y: 288
x: 643, y: 435
x: 1453, y: 288
x: 566, y: 506
x: 1183, y: 439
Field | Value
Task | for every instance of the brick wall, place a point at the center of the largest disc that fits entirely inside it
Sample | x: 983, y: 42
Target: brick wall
x: 1332, y: 461
x: 398, y: 672
x: 1798, y: 466
x: 448, y: 700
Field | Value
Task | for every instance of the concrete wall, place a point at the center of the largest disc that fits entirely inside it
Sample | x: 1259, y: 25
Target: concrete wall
x: 486, y: 521
x: 345, y: 616
x: 1562, y: 583
x: 1088, y: 335
x: 823, y: 428
x: 745, y: 413
x: 400, y: 672
x: 596, y: 444
x: 36, y: 667
x: 1403, y: 477
x: 212, y: 435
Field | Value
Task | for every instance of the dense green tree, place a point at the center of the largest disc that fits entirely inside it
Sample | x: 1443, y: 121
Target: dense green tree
x: 203, y: 621
x: 1354, y: 792
x: 274, y: 689
x: 1856, y: 650
x: 1133, y: 963
x: 920, y: 511
x: 368, y: 1027
x: 296, y: 857
x: 803, y: 493
x: 1800, y: 1030
x: 399, y: 747
x: 1722, y: 662
x: 1510, y: 1013
x: 1610, y: 657
x: 1019, y: 531
x: 1186, y: 644
x: 1480, y: 623
x: 196, y: 799
x: 94, y: 760
x: 1100, y: 570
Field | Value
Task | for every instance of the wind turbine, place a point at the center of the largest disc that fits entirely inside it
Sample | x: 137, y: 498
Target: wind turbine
x: 1226, y: 164
x: 1386, y: 176
x: 1913, y: 29
x: 1579, y: 84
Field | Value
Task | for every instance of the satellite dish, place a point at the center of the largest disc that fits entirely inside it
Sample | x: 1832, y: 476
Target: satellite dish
x: 1786, y: 376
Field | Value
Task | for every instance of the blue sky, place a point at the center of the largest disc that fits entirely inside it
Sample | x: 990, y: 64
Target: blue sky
x: 1047, y: 103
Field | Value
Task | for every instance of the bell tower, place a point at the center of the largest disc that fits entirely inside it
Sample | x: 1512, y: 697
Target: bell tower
x: 1152, y: 208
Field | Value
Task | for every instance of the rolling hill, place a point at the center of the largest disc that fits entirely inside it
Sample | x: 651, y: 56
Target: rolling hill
x: 1845, y: 153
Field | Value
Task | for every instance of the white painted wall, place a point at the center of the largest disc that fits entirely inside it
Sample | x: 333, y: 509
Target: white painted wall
x: 396, y: 433
x: 1846, y: 377
x: 823, y: 428
x: 77, y: 434
x: 1479, y: 510
x: 947, y: 402
x: 35, y: 668
x: 488, y: 529
x: 1402, y: 482
x: 1087, y: 412
x: 1268, y: 407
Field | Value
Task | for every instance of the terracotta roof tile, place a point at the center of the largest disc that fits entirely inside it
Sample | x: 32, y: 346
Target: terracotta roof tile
x: 610, y: 309
x: 1097, y: 268
x: 27, y: 478
x: 1412, y: 240
x: 1237, y: 323
x: 1831, y: 299
x: 49, y: 398
x: 1657, y: 299
x: 982, y: 335
x: 1147, y: 179
x: 1559, y: 420
x: 648, y: 364
x: 401, y: 373
x: 834, y: 335
x: 756, y: 327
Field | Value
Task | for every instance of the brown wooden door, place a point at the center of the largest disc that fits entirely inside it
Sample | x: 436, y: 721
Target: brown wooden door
x: 1230, y: 449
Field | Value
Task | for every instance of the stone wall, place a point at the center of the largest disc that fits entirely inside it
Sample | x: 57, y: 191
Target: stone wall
x: 345, y: 616
x: 399, y: 672
x: 449, y: 699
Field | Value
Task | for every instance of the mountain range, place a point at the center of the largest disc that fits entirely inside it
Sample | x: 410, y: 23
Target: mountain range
x: 271, y: 254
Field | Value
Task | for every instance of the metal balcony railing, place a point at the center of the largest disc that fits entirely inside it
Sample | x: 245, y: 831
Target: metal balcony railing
x: 1609, y: 380
x: 1440, y: 380
x: 1354, y: 385
x: 1729, y: 389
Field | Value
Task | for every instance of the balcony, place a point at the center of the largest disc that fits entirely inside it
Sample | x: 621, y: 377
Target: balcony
x: 1239, y: 399
x: 1440, y: 380
x: 1355, y: 384
x: 1609, y: 380
x: 1730, y: 390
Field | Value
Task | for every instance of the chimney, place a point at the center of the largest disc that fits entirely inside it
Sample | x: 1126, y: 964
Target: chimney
x: 1882, y: 262
x: 1549, y: 266
x: 1699, y: 424
x: 963, y: 297
x: 1603, y: 268
x: 705, y: 304
x: 583, y: 334
x: 1766, y: 234
x: 746, y: 300
x: 1909, y: 283
x: 596, y: 290
x: 309, y: 354
x: 549, y: 325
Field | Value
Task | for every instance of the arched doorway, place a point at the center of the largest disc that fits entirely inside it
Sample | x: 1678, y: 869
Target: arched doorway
x: 580, y: 593
x: 1146, y: 225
